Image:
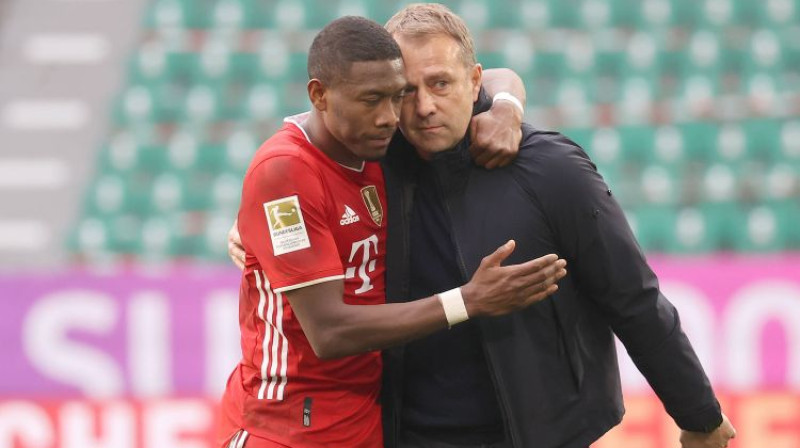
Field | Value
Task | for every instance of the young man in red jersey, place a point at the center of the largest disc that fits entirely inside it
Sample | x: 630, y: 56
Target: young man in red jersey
x: 313, y: 224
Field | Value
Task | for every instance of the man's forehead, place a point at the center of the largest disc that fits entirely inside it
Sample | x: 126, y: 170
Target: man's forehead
x: 369, y: 75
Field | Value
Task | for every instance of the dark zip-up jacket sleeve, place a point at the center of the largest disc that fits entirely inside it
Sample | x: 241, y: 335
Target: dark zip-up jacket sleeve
x: 590, y: 228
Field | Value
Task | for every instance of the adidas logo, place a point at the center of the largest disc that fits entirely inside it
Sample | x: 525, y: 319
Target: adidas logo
x: 349, y: 216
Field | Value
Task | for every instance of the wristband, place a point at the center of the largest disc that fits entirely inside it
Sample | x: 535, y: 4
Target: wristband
x: 453, y: 304
x: 505, y: 96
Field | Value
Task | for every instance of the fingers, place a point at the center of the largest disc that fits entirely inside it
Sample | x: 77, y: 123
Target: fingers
x: 237, y: 255
x: 538, y: 296
x: 499, y: 159
x: 235, y: 248
x: 545, y: 277
x: 497, y: 257
x: 534, y: 266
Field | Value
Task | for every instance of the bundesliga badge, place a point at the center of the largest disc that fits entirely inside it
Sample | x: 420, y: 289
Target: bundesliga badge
x: 286, y: 225
x: 373, y: 203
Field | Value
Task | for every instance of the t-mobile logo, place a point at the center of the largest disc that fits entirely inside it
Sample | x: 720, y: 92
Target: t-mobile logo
x: 369, y: 249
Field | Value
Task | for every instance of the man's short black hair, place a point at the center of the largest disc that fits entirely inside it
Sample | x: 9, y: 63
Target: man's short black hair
x: 347, y: 40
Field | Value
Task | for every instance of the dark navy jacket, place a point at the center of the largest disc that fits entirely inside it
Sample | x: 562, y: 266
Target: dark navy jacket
x: 554, y: 364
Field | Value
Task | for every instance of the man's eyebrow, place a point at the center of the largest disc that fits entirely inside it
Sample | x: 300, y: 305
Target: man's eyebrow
x: 442, y: 73
x: 380, y: 92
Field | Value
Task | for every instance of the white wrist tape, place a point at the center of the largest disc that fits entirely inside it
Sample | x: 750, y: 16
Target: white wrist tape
x: 454, y: 309
x: 505, y: 96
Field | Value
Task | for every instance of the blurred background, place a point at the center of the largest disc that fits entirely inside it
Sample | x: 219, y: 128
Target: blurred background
x: 126, y: 127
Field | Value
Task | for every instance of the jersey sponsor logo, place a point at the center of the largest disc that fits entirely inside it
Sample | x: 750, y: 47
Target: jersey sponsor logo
x: 349, y: 216
x: 373, y: 202
x: 286, y: 225
x: 369, y: 252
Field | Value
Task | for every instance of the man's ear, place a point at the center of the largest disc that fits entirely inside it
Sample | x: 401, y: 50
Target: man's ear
x: 476, y: 76
x: 317, y: 94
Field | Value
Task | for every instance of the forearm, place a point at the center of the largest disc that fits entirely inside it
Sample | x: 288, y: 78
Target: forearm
x: 496, y: 80
x: 362, y: 328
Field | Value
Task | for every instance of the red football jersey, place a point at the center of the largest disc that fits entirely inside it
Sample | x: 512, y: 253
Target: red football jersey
x: 304, y: 219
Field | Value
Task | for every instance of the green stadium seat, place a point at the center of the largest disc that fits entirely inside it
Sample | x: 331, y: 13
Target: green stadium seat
x: 697, y: 230
x: 789, y: 149
x: 149, y: 64
x: 703, y: 55
x: 656, y: 14
x: 790, y: 38
x: 263, y: 102
x: 239, y: 149
x: 653, y: 226
x: 765, y: 92
x: 637, y: 96
x: 179, y: 14
x: 518, y: 53
x: 108, y: 195
x: 777, y: 13
x: 697, y: 93
x: 275, y: 61
x: 575, y: 98
x: 605, y: 147
x: 763, y: 138
x: 136, y: 104
x: 661, y: 185
x: 226, y: 191
x: 203, y: 104
x: 91, y: 235
x: 780, y: 182
x: 536, y: 15
x: 295, y: 15
x: 637, y: 143
x: 123, y: 231
x: 731, y: 147
x: 111, y: 194
x: 212, y: 246
x: 642, y: 55
x: 762, y: 229
x: 120, y: 156
x: 233, y: 14
x: 700, y: 140
x: 720, y: 184
x: 765, y: 51
x: 718, y: 14
x: 476, y: 14
x: 598, y: 14
x: 157, y: 239
x: 168, y: 193
x: 669, y: 147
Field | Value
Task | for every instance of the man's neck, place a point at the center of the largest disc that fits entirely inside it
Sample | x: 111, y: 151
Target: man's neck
x: 320, y: 137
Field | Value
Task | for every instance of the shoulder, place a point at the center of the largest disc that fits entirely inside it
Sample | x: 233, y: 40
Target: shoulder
x: 550, y: 156
x: 284, y: 156
x: 549, y: 147
x: 552, y: 165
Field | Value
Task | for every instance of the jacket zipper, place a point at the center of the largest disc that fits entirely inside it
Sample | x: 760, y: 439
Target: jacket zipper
x: 504, y: 408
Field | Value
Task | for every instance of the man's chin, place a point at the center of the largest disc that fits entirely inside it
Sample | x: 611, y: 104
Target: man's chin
x: 374, y: 156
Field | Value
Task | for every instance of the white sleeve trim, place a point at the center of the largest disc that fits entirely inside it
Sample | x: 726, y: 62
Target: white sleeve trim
x: 308, y: 283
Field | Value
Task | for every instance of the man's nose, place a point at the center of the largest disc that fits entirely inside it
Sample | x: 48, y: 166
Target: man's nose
x: 388, y: 115
x: 425, y: 103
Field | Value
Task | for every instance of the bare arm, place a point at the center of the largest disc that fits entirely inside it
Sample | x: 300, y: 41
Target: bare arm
x: 496, y: 134
x: 496, y: 80
x: 336, y: 329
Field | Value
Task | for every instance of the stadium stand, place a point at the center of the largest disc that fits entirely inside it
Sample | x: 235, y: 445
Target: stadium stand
x: 689, y: 109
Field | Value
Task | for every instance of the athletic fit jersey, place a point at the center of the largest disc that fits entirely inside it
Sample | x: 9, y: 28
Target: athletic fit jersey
x: 304, y: 219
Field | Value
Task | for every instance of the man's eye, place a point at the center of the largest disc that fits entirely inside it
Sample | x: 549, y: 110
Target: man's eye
x: 441, y: 84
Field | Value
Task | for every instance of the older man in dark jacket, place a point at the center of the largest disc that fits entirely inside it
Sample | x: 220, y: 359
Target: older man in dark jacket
x: 545, y: 377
